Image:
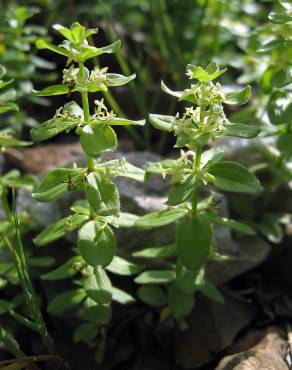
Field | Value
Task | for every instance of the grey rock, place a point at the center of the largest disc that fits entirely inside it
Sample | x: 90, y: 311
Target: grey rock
x: 240, y: 150
x: 250, y: 252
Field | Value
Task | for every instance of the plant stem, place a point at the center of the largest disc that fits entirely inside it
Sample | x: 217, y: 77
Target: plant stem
x: 197, y: 162
x: 31, y: 298
x: 86, y: 115
x: 198, y: 156
x: 5, y: 204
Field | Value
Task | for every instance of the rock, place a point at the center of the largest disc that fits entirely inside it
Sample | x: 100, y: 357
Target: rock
x: 239, y: 150
x: 211, y: 328
x: 250, y: 252
x: 268, y: 354
x: 41, y: 159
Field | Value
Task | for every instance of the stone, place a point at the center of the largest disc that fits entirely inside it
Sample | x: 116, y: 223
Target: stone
x: 268, y: 354
x: 211, y: 328
x: 240, y: 150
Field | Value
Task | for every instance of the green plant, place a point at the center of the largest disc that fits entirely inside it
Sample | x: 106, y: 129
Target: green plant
x: 13, y: 266
x: 94, y: 217
x: 36, y: 321
x: 197, y: 31
x: 269, y: 50
x: 9, y: 180
x: 17, y: 37
x: 189, y: 205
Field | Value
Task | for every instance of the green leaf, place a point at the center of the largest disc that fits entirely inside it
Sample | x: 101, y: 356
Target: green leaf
x: 85, y: 332
x: 238, y: 97
x: 6, y: 107
x: 165, y: 167
x: 120, y: 167
x: 99, y: 314
x: 74, y: 110
x: 193, y: 241
x: 270, y: 227
x: 279, y: 107
x: 286, y: 4
x: 123, y: 219
x: 279, y: 17
x: 58, y: 229
x: 157, y: 252
x: 65, y: 301
x: 177, y: 94
x: 180, y: 303
x: 77, y: 34
x: 205, y: 75
x: 96, y: 139
x: 233, y: 177
x: 41, y: 261
x: 160, y: 218
x: 152, y: 295
x: 181, y: 192
x: 67, y: 270
x: 90, y: 52
x: 2, y: 71
x: 58, y: 182
x: 120, y: 266
x: 211, y: 156
x: 114, y: 79
x: 8, y: 140
x: 122, y: 297
x: 284, y: 143
x: 274, y: 44
x: 52, y: 90
x: 164, y: 123
x: 43, y: 44
x: 5, y: 83
x: 125, y: 122
x: 97, y: 285
x: 27, y: 182
x: 231, y: 224
x: 186, y: 279
x: 155, y: 277
x: 281, y: 77
x: 96, y: 243
x: 102, y: 194
x: 66, y: 32
x: 54, y: 127
x: 210, y: 290
x: 241, y: 130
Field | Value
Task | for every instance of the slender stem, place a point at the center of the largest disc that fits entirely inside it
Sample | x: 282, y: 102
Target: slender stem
x: 23, y: 320
x: 86, y: 114
x: 9, y: 343
x: 197, y: 162
x: 31, y: 298
x: 198, y: 156
x: 5, y: 204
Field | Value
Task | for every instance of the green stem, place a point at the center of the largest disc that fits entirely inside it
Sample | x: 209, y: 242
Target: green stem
x: 86, y: 115
x: 5, y: 204
x: 86, y: 112
x: 198, y: 156
x: 31, y: 298
x: 9, y: 343
x: 197, y: 162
